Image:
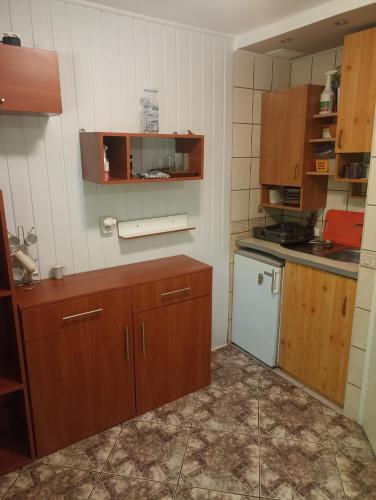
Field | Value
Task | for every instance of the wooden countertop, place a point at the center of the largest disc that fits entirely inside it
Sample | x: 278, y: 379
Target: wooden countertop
x: 347, y: 269
x: 77, y: 285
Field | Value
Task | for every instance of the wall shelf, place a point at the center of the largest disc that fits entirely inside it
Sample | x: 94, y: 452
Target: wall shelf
x: 325, y: 116
x: 321, y: 140
x: 154, y: 226
x: 130, y: 155
x: 320, y: 173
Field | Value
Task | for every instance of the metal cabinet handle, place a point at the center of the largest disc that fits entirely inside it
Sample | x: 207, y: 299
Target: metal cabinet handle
x: 80, y: 315
x: 340, y: 139
x: 296, y: 171
x: 344, y: 307
x: 127, y: 343
x: 176, y: 291
x: 2, y: 100
x: 143, y: 338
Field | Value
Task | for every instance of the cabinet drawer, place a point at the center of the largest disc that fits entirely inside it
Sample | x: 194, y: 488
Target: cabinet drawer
x: 62, y: 316
x: 160, y: 293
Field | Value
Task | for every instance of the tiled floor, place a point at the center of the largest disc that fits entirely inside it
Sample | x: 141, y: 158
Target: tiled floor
x: 251, y: 434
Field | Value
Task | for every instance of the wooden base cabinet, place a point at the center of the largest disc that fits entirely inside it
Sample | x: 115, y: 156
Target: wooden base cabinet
x: 81, y: 382
x: 172, y: 352
x: 316, y: 327
x: 105, y: 346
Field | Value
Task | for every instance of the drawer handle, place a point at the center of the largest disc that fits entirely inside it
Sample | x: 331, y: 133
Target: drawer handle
x: 80, y: 315
x: 164, y: 294
x: 143, y: 338
x: 127, y: 343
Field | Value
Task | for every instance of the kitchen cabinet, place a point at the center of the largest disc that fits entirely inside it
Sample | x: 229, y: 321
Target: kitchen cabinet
x: 81, y: 382
x: 316, y: 328
x: 283, y: 135
x: 29, y: 81
x: 358, y: 93
x: 287, y: 125
x: 172, y: 352
x: 104, y: 346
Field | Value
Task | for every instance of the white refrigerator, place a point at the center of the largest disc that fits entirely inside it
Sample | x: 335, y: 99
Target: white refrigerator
x: 256, y: 304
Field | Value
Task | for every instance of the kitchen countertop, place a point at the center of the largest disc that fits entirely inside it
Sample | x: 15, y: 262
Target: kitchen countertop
x: 348, y: 269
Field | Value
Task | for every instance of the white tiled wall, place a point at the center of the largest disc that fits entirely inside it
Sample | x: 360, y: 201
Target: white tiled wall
x: 253, y: 75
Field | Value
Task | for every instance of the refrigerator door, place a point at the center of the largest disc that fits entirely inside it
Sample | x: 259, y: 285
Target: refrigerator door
x: 256, y: 305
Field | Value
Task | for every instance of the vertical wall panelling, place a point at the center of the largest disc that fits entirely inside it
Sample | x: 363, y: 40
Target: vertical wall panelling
x: 106, y: 59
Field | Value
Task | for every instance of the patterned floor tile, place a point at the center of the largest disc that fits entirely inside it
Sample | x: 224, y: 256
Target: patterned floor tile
x: 44, y: 482
x: 186, y: 493
x: 298, y: 470
x: 231, y: 356
x: 224, y: 377
x: 178, y: 412
x: 6, y: 482
x: 149, y: 451
x: 120, y: 488
x: 221, y: 461
x: 357, y: 469
x: 271, y: 383
x: 345, y: 432
x: 88, y: 454
x: 234, y: 409
x: 292, y: 418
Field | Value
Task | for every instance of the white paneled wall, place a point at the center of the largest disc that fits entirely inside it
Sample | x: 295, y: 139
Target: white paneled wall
x: 106, y: 59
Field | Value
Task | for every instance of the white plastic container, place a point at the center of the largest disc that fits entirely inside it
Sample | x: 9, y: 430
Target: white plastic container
x: 327, y: 95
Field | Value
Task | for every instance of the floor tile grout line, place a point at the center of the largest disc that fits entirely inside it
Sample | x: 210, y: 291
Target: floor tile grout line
x: 186, y: 445
x: 11, y: 486
x: 105, y: 463
x: 333, y: 452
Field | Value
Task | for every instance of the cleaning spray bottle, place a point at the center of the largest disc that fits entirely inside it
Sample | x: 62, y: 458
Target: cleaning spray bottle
x: 327, y: 96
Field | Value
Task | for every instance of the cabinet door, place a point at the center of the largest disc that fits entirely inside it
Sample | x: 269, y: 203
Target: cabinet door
x: 81, y: 382
x: 358, y: 93
x: 29, y: 80
x: 283, y: 136
x: 172, y: 352
x: 316, y: 327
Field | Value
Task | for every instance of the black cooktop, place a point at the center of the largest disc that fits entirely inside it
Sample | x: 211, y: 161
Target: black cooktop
x: 284, y: 233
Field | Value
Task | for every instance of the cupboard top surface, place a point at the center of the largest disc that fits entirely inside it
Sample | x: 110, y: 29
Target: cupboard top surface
x: 90, y: 282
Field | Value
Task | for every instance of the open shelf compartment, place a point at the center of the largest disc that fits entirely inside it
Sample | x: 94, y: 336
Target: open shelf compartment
x: 131, y: 155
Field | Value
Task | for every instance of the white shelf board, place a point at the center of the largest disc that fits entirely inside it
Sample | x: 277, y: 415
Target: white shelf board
x: 155, y: 225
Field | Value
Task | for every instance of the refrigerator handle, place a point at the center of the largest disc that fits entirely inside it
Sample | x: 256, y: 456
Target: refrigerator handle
x: 276, y: 281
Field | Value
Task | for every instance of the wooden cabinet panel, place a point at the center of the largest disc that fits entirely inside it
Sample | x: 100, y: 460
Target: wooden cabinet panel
x: 44, y: 321
x: 29, y: 80
x: 358, y: 93
x: 170, y: 291
x: 172, y: 352
x: 81, y: 382
x: 283, y: 136
x: 316, y: 327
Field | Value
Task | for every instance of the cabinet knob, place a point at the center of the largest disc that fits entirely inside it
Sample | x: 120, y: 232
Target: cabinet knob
x: 2, y: 100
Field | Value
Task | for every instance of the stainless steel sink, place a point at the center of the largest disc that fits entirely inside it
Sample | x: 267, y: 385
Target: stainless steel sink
x: 346, y: 255
x: 335, y: 252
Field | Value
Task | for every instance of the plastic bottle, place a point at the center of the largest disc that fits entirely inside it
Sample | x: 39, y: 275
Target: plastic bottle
x: 327, y: 95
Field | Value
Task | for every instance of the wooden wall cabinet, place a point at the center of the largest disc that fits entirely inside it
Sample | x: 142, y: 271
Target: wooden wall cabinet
x: 29, y: 81
x: 104, y: 346
x: 317, y: 315
x: 358, y: 93
x: 130, y: 154
x: 286, y: 153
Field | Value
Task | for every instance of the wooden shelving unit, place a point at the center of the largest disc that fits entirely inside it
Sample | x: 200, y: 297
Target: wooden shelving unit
x: 322, y: 140
x: 132, y: 154
x: 325, y: 117
x: 16, y: 438
x: 328, y: 174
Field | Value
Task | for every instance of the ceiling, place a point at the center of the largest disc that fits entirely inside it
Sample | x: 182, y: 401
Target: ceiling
x: 226, y: 16
x: 307, y: 40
